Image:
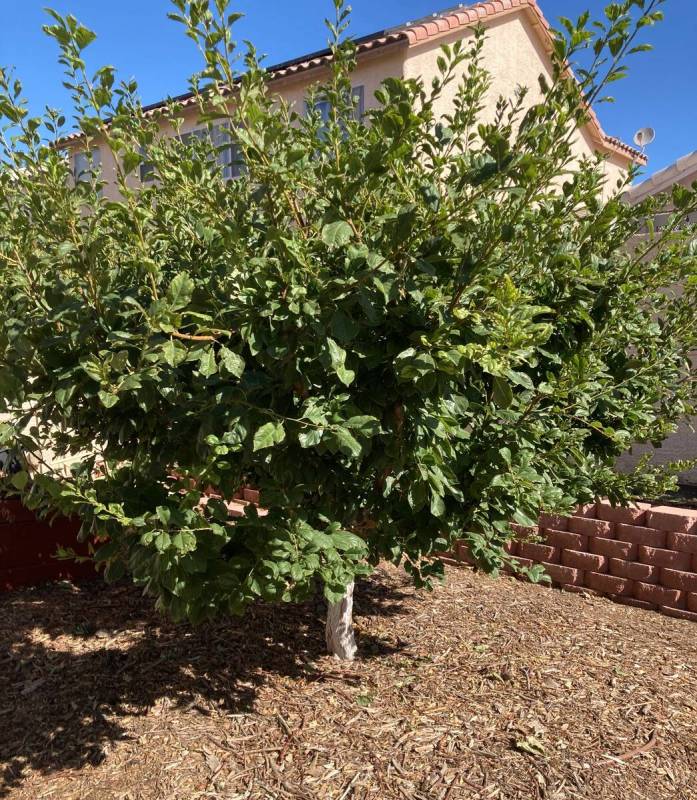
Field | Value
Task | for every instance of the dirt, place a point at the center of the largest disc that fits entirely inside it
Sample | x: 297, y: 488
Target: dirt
x: 481, y: 689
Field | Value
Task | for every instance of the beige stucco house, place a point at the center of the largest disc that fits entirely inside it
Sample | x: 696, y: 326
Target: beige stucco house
x: 682, y: 445
x: 516, y: 53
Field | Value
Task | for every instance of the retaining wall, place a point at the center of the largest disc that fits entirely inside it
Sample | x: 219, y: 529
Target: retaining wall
x: 644, y: 555
x: 28, y: 544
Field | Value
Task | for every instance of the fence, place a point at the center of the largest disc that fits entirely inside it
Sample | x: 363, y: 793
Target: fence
x: 644, y: 555
x: 28, y: 546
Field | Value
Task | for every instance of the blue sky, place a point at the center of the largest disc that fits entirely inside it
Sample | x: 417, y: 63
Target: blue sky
x: 137, y: 38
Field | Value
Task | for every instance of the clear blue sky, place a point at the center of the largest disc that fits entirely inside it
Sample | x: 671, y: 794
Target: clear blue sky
x: 137, y: 38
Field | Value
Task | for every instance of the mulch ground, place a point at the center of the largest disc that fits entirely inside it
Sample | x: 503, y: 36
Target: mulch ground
x: 482, y: 689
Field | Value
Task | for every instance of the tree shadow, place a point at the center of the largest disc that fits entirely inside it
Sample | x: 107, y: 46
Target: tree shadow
x: 74, y: 661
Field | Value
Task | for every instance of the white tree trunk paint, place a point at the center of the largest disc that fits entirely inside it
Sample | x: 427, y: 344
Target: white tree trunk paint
x: 339, y: 631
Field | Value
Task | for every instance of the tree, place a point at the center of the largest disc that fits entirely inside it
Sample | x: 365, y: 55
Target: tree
x: 403, y: 330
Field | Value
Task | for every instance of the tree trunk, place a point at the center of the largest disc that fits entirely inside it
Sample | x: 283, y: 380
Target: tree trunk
x: 339, y: 631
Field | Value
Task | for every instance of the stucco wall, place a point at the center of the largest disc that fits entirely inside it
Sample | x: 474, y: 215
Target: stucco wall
x: 514, y: 56
x: 371, y: 71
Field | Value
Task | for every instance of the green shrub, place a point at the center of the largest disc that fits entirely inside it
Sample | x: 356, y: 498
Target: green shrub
x: 403, y: 330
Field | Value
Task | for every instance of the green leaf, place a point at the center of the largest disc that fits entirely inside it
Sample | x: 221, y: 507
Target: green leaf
x: 20, y: 480
x: 437, y: 505
x: 108, y: 399
x: 184, y: 541
x: 207, y: 365
x: 231, y: 362
x: 502, y: 394
x: 310, y: 437
x: 173, y: 353
x: 343, y: 327
x: 366, y: 425
x: 347, y: 443
x: 337, y: 357
x: 345, y: 541
x: 94, y: 368
x: 180, y: 291
x: 268, y: 435
x: 337, y: 234
x: 162, y: 541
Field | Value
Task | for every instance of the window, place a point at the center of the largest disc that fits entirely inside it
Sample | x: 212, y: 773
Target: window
x: 229, y: 152
x: 87, y: 165
x: 229, y: 156
x: 323, y: 108
x: 147, y: 168
x: 358, y: 94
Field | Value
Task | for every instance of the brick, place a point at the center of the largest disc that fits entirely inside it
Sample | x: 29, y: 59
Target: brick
x: 613, y: 548
x: 564, y: 575
x: 584, y: 561
x: 679, y: 613
x: 538, y: 552
x: 685, y: 542
x: 566, y: 539
x: 664, y: 558
x: 511, y: 547
x: 652, y: 537
x: 667, y: 518
x: 586, y: 510
x: 634, y: 571
x: 462, y: 553
x: 524, y: 531
x: 632, y: 601
x: 633, y: 514
x: 660, y: 595
x: 609, y: 584
x: 250, y: 495
x: 692, y: 601
x: 555, y: 521
x: 591, y: 527
x: 679, y: 579
x: 235, y: 509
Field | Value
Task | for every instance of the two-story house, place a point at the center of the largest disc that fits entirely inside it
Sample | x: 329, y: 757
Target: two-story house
x: 516, y: 53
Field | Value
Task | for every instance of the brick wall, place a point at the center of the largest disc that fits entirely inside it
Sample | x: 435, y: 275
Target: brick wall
x: 643, y: 556
x: 28, y: 544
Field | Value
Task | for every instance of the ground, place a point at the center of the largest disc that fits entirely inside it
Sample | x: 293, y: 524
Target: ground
x: 482, y: 689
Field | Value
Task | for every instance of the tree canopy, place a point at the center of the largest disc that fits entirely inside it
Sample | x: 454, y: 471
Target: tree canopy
x: 403, y: 329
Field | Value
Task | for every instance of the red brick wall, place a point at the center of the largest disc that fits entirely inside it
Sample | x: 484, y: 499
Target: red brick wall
x: 28, y: 544
x: 644, y: 556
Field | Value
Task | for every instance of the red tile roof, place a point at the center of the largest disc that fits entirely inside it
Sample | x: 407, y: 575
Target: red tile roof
x: 466, y: 16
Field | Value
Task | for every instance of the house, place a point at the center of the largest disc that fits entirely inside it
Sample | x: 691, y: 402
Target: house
x: 682, y: 445
x: 516, y: 53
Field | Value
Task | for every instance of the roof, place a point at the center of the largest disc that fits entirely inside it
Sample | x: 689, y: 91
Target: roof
x: 682, y: 169
x: 414, y: 33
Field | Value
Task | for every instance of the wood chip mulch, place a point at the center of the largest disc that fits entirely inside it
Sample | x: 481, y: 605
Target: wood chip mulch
x: 483, y: 689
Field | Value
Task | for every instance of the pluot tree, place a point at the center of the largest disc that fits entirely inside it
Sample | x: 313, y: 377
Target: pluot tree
x: 404, y: 329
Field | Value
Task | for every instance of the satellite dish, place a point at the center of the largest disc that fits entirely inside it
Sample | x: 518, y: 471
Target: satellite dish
x: 644, y: 137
